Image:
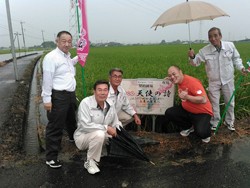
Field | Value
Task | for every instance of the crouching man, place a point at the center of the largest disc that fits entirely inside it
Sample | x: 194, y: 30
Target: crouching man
x: 97, y: 120
x: 195, y: 112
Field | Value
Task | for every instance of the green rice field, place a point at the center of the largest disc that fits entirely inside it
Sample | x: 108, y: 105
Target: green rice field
x: 152, y: 61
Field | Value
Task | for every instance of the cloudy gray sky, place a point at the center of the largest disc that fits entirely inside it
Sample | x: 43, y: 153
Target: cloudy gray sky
x: 125, y: 21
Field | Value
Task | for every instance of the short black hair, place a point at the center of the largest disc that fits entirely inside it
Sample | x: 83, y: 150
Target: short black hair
x: 63, y: 32
x: 115, y: 69
x: 99, y: 82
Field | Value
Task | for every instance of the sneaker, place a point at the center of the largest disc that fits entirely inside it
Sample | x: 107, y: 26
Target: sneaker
x: 91, y: 166
x: 206, y: 140
x: 213, y: 127
x: 230, y: 127
x: 187, y: 132
x: 54, y: 163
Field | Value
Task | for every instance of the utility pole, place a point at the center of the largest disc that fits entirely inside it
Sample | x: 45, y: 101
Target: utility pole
x: 42, y: 35
x: 16, y: 35
x: 11, y: 39
x: 23, y: 37
x: 73, y: 20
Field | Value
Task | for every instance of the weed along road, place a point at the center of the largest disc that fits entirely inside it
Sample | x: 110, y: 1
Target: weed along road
x: 179, y: 161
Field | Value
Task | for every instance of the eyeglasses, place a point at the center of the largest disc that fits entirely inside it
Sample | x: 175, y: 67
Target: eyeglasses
x: 117, y: 77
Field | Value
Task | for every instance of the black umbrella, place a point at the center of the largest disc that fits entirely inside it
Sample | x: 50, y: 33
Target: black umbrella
x: 125, y: 145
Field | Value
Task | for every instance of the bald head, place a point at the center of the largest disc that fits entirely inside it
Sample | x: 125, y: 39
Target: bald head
x: 175, y: 74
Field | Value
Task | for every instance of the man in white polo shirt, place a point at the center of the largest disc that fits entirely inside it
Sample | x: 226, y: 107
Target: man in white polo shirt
x: 58, y: 93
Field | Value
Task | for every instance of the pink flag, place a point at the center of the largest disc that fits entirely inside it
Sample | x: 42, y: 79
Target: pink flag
x: 83, y: 42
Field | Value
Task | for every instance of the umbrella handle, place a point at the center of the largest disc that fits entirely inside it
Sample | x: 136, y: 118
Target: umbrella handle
x: 189, y: 35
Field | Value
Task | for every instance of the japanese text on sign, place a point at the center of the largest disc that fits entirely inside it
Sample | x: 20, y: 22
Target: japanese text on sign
x: 149, y: 96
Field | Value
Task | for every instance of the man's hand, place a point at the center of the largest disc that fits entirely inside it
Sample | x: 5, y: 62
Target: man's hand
x: 137, y: 119
x: 183, y: 94
x: 48, y: 106
x: 111, y: 131
x: 191, y: 54
x: 244, y: 71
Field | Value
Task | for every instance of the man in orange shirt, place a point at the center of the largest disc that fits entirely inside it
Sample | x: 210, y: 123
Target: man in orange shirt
x: 195, y: 112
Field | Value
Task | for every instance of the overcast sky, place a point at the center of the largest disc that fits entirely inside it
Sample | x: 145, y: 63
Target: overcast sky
x: 125, y: 21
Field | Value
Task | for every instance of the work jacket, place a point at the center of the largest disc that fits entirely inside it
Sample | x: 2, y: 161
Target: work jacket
x: 219, y: 64
x: 120, y: 101
x: 92, y: 118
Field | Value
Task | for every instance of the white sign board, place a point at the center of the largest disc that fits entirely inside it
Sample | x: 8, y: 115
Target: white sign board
x: 149, y: 96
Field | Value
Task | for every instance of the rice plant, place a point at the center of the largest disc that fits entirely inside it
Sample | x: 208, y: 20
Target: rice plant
x: 152, y: 61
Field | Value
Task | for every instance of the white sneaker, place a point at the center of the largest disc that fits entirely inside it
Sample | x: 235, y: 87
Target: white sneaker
x: 213, y: 128
x: 206, y: 140
x: 91, y: 166
x: 54, y: 163
x: 187, y: 132
x: 230, y: 127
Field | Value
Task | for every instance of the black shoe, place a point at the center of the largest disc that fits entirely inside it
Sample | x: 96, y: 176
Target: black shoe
x: 54, y: 163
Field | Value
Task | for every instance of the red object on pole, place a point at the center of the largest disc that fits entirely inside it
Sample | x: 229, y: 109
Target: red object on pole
x: 83, y: 42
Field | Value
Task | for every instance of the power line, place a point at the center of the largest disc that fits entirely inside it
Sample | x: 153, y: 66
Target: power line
x: 152, y: 5
x: 3, y: 27
x: 33, y: 29
x: 33, y: 37
x: 135, y: 5
x: 141, y: 5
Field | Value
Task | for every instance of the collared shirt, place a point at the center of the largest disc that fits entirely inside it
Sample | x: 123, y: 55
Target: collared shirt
x: 92, y: 118
x: 58, y: 73
x: 120, y: 101
x: 219, y: 65
x: 105, y: 109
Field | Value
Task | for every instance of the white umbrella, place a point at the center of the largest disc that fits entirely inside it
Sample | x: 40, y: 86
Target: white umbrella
x: 188, y: 12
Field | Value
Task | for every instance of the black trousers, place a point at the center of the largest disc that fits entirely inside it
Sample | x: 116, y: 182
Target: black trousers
x: 185, y: 120
x: 62, y: 116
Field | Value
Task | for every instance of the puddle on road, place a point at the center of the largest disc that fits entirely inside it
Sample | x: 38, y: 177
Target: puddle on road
x: 240, y: 150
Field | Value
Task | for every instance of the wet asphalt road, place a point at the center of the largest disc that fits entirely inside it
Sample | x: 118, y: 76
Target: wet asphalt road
x: 8, y: 83
x: 223, y: 171
x: 224, y: 166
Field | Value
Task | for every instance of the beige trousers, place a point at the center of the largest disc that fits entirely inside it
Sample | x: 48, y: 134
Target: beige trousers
x: 92, y: 142
x: 215, y: 89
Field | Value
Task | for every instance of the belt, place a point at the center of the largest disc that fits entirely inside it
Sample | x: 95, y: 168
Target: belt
x: 62, y: 91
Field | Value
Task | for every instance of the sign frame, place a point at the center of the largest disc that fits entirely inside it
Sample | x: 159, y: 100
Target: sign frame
x: 149, y: 96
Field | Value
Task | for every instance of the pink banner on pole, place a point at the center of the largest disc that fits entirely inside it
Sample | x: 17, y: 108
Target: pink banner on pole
x: 83, y: 42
